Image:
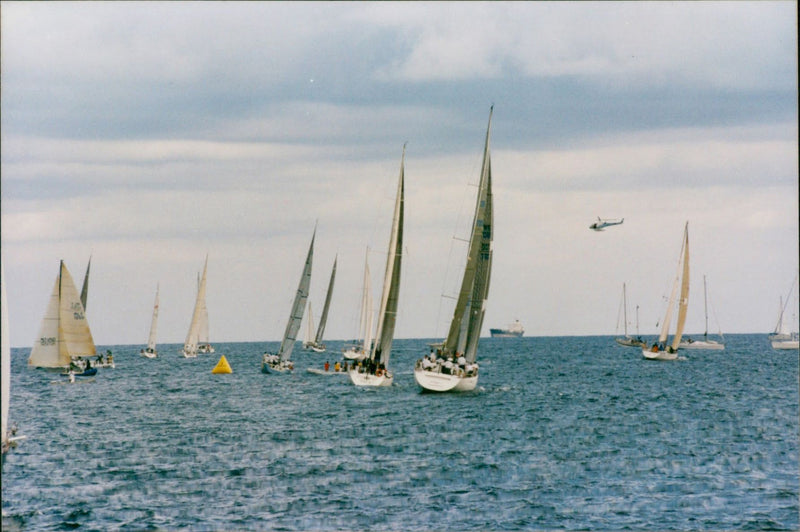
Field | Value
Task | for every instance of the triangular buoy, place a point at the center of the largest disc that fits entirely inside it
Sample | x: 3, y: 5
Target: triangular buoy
x: 222, y: 366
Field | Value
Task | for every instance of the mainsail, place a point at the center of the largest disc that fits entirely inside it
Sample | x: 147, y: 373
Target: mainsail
x: 465, y: 327
x: 324, y: 318
x: 391, y: 279
x: 298, y: 307
x: 64, y: 332
x: 151, y: 341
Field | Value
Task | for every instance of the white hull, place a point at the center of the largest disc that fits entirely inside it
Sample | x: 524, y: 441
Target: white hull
x: 271, y: 364
x: 149, y: 355
x: 368, y: 379
x: 659, y: 355
x: 354, y: 354
x: 630, y: 342
x: 785, y: 344
x: 440, y: 382
x: 709, y: 345
x: 313, y: 346
x: 188, y: 354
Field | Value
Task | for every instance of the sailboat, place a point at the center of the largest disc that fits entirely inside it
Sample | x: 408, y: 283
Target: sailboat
x: 705, y: 343
x: 150, y: 351
x: 453, y: 366
x: 660, y: 350
x: 359, y: 349
x: 627, y: 340
x: 64, y: 333
x: 198, y: 328
x: 374, y: 370
x: 281, y: 361
x: 316, y: 344
x: 782, y: 337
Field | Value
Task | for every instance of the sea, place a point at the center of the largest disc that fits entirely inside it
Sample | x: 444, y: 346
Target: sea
x: 562, y: 433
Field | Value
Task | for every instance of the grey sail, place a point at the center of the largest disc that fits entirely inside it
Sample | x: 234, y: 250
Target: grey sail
x: 324, y: 318
x: 465, y: 327
x: 85, y: 287
x: 391, y: 288
x: 298, y: 307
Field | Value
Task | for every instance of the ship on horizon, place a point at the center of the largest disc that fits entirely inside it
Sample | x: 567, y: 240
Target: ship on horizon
x: 515, y: 330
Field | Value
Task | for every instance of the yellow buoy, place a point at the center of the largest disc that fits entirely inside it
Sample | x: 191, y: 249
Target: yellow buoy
x: 222, y: 366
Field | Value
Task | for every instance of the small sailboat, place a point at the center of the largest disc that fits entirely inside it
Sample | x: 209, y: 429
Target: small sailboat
x: 628, y: 340
x: 374, y: 370
x: 197, y: 336
x: 660, y: 350
x: 280, y: 362
x: 315, y: 343
x: 359, y: 349
x: 150, y: 351
x: 705, y: 343
x: 64, y: 333
x: 453, y: 366
x: 782, y: 338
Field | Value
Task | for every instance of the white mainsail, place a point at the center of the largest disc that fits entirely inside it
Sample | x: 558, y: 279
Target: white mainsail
x: 454, y: 369
x: 661, y: 351
x: 374, y: 372
x: 309, y: 338
x: 64, y: 332
x: 280, y: 361
x: 190, y: 346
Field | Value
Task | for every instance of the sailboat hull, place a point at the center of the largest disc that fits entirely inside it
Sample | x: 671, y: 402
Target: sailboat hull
x: 369, y: 379
x: 313, y: 346
x: 149, y: 355
x: 785, y: 344
x: 708, y: 345
x: 433, y: 381
x: 354, y: 354
x: 659, y: 355
x: 629, y: 342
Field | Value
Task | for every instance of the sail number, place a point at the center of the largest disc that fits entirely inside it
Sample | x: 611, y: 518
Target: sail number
x: 50, y: 340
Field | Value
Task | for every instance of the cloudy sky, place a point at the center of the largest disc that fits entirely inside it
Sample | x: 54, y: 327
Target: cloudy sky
x: 148, y: 135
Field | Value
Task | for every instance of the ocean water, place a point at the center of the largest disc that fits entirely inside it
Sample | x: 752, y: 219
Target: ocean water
x: 562, y: 433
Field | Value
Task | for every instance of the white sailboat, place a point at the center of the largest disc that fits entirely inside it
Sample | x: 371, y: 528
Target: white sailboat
x: 203, y: 345
x: 628, y: 340
x: 660, y: 350
x: 705, y: 343
x: 782, y: 337
x: 453, y: 366
x: 359, y: 350
x: 195, y: 338
x: 315, y: 343
x: 281, y: 361
x: 374, y: 370
x: 64, y: 333
x: 150, y: 351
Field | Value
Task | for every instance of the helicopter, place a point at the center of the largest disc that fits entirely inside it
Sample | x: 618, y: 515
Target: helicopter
x: 601, y: 223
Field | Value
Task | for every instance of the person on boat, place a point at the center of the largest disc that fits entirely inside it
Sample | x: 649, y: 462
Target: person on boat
x: 88, y: 365
x: 337, y: 367
x: 327, y: 366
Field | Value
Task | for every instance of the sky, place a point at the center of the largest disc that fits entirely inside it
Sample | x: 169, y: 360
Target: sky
x: 149, y: 135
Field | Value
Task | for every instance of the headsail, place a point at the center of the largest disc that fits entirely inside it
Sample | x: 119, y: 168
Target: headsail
x: 85, y: 287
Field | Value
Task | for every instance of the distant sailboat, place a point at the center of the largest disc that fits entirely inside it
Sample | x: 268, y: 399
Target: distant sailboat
x: 627, y: 340
x: 705, y: 343
x: 150, y: 351
x: 374, y: 370
x: 359, y: 350
x: 660, y: 350
x: 64, y: 333
x: 453, y: 367
x: 198, y: 328
x: 281, y: 361
x: 316, y: 344
x: 783, y: 338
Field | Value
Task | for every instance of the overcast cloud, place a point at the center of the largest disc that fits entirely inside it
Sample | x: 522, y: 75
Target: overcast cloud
x: 150, y: 134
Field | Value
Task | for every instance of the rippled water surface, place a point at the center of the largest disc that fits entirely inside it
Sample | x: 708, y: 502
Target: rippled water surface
x: 562, y: 433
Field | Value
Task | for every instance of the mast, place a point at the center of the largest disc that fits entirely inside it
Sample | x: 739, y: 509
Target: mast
x: 299, y: 305
x: 705, y: 306
x: 391, y: 278
x: 625, y: 309
x: 324, y: 318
